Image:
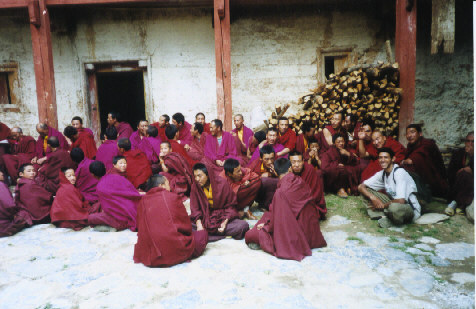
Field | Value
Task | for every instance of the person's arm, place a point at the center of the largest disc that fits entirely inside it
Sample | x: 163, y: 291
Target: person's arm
x: 361, y: 147
x: 199, y: 225
x: 283, y: 152
x: 222, y: 227
x: 376, y: 203
x: 327, y: 136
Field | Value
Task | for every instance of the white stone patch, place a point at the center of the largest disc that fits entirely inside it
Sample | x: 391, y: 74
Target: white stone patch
x: 431, y: 218
x: 429, y: 240
x: 338, y: 220
x: 462, y: 278
x: 424, y: 247
x: 455, y: 251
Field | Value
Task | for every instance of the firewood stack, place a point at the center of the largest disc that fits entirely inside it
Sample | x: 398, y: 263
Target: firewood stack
x: 365, y: 90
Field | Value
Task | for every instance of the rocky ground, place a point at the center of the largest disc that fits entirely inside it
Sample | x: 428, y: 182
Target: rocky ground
x: 417, y: 266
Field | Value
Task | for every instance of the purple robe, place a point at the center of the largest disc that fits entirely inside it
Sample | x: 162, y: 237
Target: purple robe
x: 151, y: 147
x: 39, y: 153
x: 247, y: 133
x: 277, y: 148
x: 106, y: 152
x: 136, y: 140
x: 185, y: 137
x: 9, y: 222
x: 226, y: 150
x: 124, y: 130
x: 85, y: 181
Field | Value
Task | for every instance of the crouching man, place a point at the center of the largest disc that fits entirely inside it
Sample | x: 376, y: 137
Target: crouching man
x: 399, y: 203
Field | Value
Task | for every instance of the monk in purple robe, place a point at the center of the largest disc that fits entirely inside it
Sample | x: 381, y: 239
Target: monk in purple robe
x: 176, y: 169
x: 77, y: 122
x: 83, y: 140
x: 196, y: 149
x: 140, y: 135
x: 200, y: 118
x: 271, y: 139
x: 22, y: 150
x: 254, y: 142
x: 108, y: 149
x: 10, y: 223
x: 183, y: 127
x: 85, y: 182
x: 124, y: 130
x: 118, y: 199
x: 242, y: 132
x: 291, y: 227
x: 41, y: 147
x: 213, y: 205
x: 220, y: 145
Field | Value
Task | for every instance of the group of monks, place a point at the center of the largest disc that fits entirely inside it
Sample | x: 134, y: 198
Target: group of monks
x: 139, y: 180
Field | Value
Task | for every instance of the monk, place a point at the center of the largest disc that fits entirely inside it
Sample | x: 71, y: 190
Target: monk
x: 165, y: 236
x: 220, y: 145
x: 461, y: 177
x: 33, y: 200
x: 313, y: 154
x: 83, y: 140
x: 200, y: 118
x: 254, y: 142
x: 140, y: 135
x: 302, y: 140
x: 364, y: 143
x: 424, y: 158
x: 41, y: 147
x: 124, y: 130
x: 312, y: 177
x: 197, y: 147
x: 163, y: 123
x: 291, y: 227
x: 245, y: 183
x: 340, y: 167
x: 10, y: 223
x: 336, y: 126
x: 85, y: 182
x: 352, y: 127
x: 172, y: 134
x: 176, y: 169
x: 48, y: 173
x: 183, y: 128
x: 213, y: 205
x: 4, y: 134
x: 22, y: 150
x: 379, y: 140
x: 117, y: 196
x: 70, y: 209
x: 151, y: 147
x: 242, y: 132
x: 287, y: 137
x: 271, y: 139
x: 138, y: 167
x: 264, y: 167
x: 77, y: 122
x: 108, y: 149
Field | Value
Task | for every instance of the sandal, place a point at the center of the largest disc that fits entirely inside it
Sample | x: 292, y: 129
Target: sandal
x: 342, y: 194
x: 450, y: 211
x: 459, y: 211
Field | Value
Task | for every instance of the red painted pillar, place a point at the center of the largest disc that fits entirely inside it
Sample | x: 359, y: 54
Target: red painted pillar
x: 405, y: 55
x: 43, y: 62
x: 221, y: 17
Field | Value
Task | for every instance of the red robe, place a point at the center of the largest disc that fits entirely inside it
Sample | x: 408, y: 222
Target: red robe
x: 165, y: 235
x: 33, y: 200
x: 124, y: 130
x: 4, y: 131
x: 49, y: 172
x: 161, y: 130
x: 178, y: 148
x: 39, y: 150
x: 21, y: 153
x: 245, y: 194
x: 185, y: 137
x: 314, y: 179
x: 86, y: 142
x: 138, y: 167
x: 374, y: 165
x: 10, y: 223
x: 206, y: 128
x: 225, y: 150
x: 291, y: 227
x: 336, y: 177
x: 461, y: 182
x: 197, y: 148
x: 288, y: 139
x: 106, y: 152
x: 180, y: 174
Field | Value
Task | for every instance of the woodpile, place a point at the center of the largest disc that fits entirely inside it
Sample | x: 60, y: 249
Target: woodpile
x: 368, y: 91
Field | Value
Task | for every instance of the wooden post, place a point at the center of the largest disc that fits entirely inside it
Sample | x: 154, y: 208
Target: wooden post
x: 405, y: 55
x: 221, y: 17
x: 43, y: 62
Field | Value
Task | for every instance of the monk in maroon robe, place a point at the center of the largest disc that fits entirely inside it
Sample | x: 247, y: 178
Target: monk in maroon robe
x: 291, y: 227
x: 302, y: 140
x: 22, y: 151
x: 108, y: 149
x: 4, y: 134
x: 41, y: 147
x: 221, y: 145
x: 140, y: 135
x: 196, y: 149
x: 83, y: 140
x: 172, y: 134
x: 341, y: 168
x: 77, y: 122
x: 10, y: 223
x: 177, y: 170
x: 364, y: 143
x: 183, y: 127
x: 165, y: 237
x: 243, y: 133
x: 33, y: 200
x: 85, y: 182
x: 213, y: 205
x: 118, y: 198
x: 287, y: 136
x: 271, y: 139
x: 352, y: 127
x: 313, y: 154
x: 200, y: 118
x: 124, y: 130
x: 254, y: 142
x: 161, y: 125
x: 312, y: 177
x: 264, y: 167
x: 424, y: 158
x: 336, y: 126
x: 138, y: 167
x: 245, y: 183
x: 48, y: 173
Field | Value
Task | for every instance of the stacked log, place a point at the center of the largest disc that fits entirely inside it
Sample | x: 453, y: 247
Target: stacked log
x: 367, y: 91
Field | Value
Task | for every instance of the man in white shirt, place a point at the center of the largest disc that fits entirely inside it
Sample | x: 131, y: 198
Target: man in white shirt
x: 400, y: 203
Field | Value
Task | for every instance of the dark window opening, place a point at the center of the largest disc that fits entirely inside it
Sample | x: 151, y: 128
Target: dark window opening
x: 5, y: 97
x: 328, y: 66
x: 121, y: 92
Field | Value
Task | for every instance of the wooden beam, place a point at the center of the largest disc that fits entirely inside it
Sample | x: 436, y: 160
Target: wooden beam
x: 12, y: 4
x: 405, y: 55
x: 43, y: 62
x: 221, y: 15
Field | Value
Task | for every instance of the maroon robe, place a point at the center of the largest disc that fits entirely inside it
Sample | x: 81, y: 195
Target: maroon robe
x: 178, y: 148
x: 86, y: 130
x: 247, y: 134
x: 33, y: 200
x: 185, y: 137
x: 39, y: 151
x: 374, y: 165
x: 4, y: 131
x: 151, y: 147
x: 314, y: 179
x: 268, y: 185
x: 245, y: 194
x: 206, y: 128
x: 86, y: 142
x: 322, y: 138
x: 161, y: 130
x: 86, y: 182
x: 288, y: 139
x: 165, y: 235
x: 138, y: 167
x: 428, y: 164
x: 10, y: 223
x: 291, y: 227
x: 21, y: 153
x: 277, y: 148
x: 49, y: 172
x: 461, y: 182
x: 225, y: 150
x: 252, y: 145
x: 124, y: 130
x: 180, y: 174
x: 197, y: 148
x: 106, y: 152
x: 336, y: 177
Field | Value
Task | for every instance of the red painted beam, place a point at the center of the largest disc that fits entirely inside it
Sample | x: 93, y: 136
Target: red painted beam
x: 405, y: 55
x: 11, y: 4
x: 43, y: 62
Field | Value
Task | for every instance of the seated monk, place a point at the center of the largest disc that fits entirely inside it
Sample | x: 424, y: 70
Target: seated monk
x: 340, y: 167
x: 271, y: 139
x: 117, y: 196
x: 312, y: 177
x: 213, y: 206
x: 352, y: 127
x: 77, y: 122
x: 200, y: 118
x: 172, y: 134
x: 243, y: 133
x: 302, y: 140
x: 70, y: 209
x: 41, y: 146
x: 151, y: 148
x: 22, y: 150
x: 286, y: 137
x: 364, y: 143
x: 85, y: 182
x: 138, y: 167
x: 83, y: 140
x: 33, y: 200
x: 220, y: 145
x: 48, y: 173
x: 183, y: 128
x: 177, y: 171
x: 254, y: 142
x: 264, y: 167
x: 140, y: 135
x: 424, y: 158
x: 196, y: 151
x: 290, y: 229
x: 10, y: 223
x: 336, y: 126
x: 124, y: 130
x: 163, y: 123
x: 378, y: 141
x: 108, y: 149
x: 313, y: 154
x: 165, y: 237
x: 4, y: 134
x: 245, y: 183
x: 461, y: 177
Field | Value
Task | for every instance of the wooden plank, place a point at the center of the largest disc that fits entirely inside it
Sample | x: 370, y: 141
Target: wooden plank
x: 93, y: 105
x: 43, y: 65
x: 180, y: 3
x: 405, y: 55
x: 443, y: 26
x: 12, y: 4
x: 4, y: 97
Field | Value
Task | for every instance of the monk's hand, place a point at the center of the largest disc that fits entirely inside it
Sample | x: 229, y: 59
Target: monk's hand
x: 222, y: 227
x: 187, y: 147
x: 340, y: 165
x: 41, y: 161
x: 259, y: 226
x: 219, y: 162
x: 344, y: 152
x: 407, y: 161
x: 199, y: 225
x: 262, y: 144
x: 33, y: 161
x: 233, y: 133
x: 246, y: 183
x: 361, y: 135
